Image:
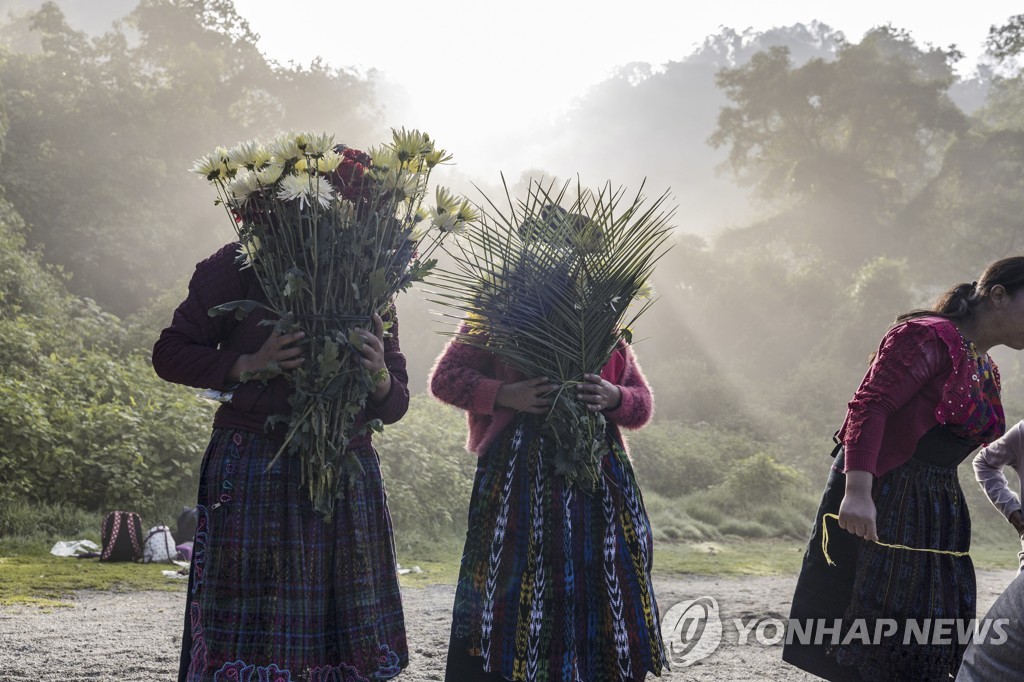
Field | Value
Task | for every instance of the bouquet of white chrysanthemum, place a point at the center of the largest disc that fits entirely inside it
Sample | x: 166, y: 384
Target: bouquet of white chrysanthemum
x: 332, y: 234
x: 548, y: 289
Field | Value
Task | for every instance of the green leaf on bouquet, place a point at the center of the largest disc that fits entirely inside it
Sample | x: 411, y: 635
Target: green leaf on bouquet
x: 355, y: 338
x: 239, y: 308
x: 378, y: 283
x: 329, y: 362
x: 266, y: 374
x: 295, y: 281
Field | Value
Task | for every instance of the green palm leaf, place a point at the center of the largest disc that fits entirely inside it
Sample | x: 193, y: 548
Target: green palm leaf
x: 546, y: 284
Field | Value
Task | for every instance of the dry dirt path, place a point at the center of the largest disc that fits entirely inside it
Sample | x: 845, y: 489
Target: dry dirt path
x: 135, y: 636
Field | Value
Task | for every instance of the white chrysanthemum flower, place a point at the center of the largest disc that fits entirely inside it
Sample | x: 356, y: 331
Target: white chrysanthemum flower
x: 317, y: 145
x: 321, y: 191
x: 446, y: 201
x: 306, y: 190
x: 244, y: 184
x: 384, y: 159
x: 285, y: 148
x: 436, y: 157
x: 329, y: 162
x: 208, y: 165
x: 467, y: 213
x: 293, y: 187
x: 249, y: 154
x: 302, y: 166
x: 224, y: 155
x: 248, y: 249
x: 409, y: 144
x: 269, y: 174
x: 402, y: 183
x: 446, y: 221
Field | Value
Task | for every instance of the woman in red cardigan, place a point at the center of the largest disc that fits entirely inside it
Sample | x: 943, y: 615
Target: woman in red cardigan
x: 555, y: 580
x: 930, y: 397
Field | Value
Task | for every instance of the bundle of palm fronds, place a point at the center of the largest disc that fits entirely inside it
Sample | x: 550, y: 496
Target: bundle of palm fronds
x: 546, y: 285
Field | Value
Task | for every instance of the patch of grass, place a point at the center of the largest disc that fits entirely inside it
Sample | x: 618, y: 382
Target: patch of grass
x: 733, y: 557
x: 29, y: 574
x: 989, y: 555
x: 729, y: 557
x: 439, y: 563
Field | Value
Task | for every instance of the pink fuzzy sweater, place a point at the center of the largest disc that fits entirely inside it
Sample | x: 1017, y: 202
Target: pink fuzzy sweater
x: 469, y: 378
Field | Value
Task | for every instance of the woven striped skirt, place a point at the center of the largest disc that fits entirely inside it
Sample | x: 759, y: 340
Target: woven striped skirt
x: 275, y: 593
x: 872, y: 588
x: 555, y: 582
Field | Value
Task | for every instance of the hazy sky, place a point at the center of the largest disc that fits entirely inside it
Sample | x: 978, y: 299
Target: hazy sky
x: 476, y: 69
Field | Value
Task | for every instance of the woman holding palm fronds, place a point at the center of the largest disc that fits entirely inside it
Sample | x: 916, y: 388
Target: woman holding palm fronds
x: 555, y: 579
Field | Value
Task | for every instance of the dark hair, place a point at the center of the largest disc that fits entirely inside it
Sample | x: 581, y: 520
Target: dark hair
x: 961, y: 300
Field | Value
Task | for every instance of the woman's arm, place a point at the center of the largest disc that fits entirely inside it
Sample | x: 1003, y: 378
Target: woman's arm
x: 636, y: 402
x: 909, y: 357
x: 988, y: 469
x: 463, y: 377
x: 187, y: 351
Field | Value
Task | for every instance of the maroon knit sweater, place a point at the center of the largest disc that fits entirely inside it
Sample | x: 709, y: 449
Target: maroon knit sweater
x: 469, y: 378
x: 198, y: 350
x: 922, y: 376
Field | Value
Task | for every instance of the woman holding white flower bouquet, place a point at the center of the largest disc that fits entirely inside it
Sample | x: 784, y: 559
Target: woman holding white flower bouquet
x: 294, y: 575
x: 555, y: 581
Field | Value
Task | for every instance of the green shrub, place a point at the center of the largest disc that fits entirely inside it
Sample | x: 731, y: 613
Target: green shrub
x: 673, y: 459
x: 83, y: 417
x: 746, y: 528
x: 758, y: 497
x: 670, y: 522
x: 428, y: 473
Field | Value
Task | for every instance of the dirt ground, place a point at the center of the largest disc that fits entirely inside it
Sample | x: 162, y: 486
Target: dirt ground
x: 136, y: 636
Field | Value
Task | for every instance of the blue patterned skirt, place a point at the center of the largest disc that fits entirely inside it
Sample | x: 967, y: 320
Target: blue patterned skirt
x: 275, y: 593
x: 555, y: 582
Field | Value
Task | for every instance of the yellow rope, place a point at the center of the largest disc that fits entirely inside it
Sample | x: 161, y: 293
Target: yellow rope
x: 824, y: 543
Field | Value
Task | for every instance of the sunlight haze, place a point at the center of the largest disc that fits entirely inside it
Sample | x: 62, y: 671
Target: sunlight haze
x: 476, y: 73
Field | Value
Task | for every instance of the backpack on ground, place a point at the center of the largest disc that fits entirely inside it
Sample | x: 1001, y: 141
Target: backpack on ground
x: 187, y: 521
x: 158, y: 545
x: 121, y: 537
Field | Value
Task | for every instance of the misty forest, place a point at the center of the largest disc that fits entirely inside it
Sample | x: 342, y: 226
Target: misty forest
x: 825, y: 183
